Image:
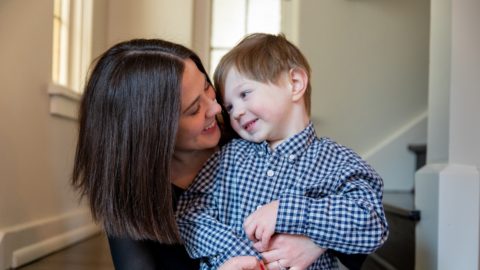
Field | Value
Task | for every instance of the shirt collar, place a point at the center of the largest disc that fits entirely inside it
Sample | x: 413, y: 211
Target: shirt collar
x: 292, y: 148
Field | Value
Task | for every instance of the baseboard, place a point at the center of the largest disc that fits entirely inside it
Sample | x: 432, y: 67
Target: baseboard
x: 26, y: 242
x: 391, y: 157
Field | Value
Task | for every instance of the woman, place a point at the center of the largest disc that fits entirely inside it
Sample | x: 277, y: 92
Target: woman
x: 147, y: 125
x: 147, y: 116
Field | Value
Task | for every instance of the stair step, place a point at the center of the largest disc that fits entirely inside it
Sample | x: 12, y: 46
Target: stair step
x: 420, y: 151
x: 401, y: 204
x: 399, y: 250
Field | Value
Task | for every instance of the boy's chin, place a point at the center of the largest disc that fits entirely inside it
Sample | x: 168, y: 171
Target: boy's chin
x: 254, y: 139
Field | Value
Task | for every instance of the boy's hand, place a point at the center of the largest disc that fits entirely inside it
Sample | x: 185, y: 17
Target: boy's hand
x: 243, y: 263
x: 291, y: 251
x: 260, y: 225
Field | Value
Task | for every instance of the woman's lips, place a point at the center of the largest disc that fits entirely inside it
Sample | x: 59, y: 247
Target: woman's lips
x: 210, y: 128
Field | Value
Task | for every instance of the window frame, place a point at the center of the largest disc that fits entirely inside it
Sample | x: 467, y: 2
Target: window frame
x: 71, y: 55
x: 218, y: 49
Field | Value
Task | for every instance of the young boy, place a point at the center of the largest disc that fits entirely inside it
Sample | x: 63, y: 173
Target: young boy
x: 280, y: 178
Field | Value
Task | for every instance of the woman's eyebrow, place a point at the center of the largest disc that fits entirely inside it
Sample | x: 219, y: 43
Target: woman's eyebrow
x: 192, y: 104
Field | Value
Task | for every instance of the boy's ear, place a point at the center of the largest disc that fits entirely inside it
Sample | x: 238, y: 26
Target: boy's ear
x: 298, y: 81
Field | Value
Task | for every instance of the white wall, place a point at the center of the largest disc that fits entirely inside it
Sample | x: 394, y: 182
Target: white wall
x: 369, y: 61
x: 392, y: 159
x: 170, y: 20
x: 39, y: 212
x: 36, y: 149
x: 370, y: 69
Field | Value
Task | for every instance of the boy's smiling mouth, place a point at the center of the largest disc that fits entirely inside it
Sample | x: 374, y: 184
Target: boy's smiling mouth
x: 249, y: 125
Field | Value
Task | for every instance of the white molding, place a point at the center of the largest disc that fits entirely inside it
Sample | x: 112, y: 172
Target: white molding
x: 37, y: 250
x: 23, y: 243
x: 448, y: 197
x: 391, y: 157
x: 64, y: 102
x: 395, y: 135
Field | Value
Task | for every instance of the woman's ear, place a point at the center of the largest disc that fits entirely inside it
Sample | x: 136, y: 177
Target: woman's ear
x: 298, y: 80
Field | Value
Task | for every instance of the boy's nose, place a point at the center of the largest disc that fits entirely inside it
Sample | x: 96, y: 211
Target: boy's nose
x: 237, y: 113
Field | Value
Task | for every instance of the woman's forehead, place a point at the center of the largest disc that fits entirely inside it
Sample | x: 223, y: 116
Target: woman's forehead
x: 193, y: 81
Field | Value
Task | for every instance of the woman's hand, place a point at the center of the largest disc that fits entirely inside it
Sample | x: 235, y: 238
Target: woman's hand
x: 260, y: 225
x: 289, y: 251
x: 242, y: 263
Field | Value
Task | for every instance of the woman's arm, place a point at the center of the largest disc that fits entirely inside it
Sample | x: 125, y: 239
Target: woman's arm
x: 197, y: 218
x: 130, y: 254
x: 243, y: 263
x: 291, y: 251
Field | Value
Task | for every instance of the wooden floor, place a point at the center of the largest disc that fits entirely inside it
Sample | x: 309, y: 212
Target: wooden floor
x: 90, y: 254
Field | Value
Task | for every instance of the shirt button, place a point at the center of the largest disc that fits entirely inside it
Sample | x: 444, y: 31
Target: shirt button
x: 270, y: 173
x: 291, y: 157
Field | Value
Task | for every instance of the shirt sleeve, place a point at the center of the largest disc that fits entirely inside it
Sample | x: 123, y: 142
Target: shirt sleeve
x: 204, y: 235
x: 350, y: 219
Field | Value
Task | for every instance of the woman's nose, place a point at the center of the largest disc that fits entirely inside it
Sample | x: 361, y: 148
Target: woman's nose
x: 214, y: 108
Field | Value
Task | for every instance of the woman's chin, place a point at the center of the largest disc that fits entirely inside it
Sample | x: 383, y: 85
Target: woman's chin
x: 211, y: 136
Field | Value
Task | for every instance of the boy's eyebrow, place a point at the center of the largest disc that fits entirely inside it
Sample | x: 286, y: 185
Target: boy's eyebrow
x: 192, y: 104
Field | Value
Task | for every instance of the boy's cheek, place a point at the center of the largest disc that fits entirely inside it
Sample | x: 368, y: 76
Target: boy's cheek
x: 235, y: 125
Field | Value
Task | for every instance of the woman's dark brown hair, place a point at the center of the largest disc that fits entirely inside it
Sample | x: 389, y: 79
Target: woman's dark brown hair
x: 128, y: 122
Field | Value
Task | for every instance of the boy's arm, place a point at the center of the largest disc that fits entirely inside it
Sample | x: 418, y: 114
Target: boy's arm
x: 197, y: 218
x: 350, y: 220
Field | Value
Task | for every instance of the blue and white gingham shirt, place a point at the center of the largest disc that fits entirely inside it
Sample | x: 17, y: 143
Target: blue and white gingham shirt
x: 326, y: 192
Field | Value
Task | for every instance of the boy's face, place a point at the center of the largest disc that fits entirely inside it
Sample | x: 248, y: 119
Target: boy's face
x: 258, y: 111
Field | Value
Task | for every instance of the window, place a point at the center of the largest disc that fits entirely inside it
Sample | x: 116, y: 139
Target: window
x: 72, y: 28
x: 233, y: 19
x: 71, y: 55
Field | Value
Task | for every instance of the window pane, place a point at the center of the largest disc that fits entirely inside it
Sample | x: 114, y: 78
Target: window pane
x: 215, y: 57
x: 263, y: 16
x: 60, y: 41
x: 228, y: 22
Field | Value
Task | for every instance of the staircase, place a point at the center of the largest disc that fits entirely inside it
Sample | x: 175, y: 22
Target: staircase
x: 399, y: 250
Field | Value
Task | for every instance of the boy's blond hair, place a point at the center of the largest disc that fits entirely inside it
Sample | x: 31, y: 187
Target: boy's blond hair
x: 263, y: 57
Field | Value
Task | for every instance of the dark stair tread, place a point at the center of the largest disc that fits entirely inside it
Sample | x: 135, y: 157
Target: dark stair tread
x: 401, y: 204
x: 420, y: 151
x: 417, y: 148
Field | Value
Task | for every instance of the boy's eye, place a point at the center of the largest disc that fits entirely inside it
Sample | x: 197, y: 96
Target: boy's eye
x: 244, y: 93
x: 228, y: 108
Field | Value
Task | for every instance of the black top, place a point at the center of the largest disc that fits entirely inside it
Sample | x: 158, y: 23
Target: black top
x: 128, y: 254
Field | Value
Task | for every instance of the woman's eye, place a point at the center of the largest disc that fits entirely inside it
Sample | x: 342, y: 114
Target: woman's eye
x: 194, y: 111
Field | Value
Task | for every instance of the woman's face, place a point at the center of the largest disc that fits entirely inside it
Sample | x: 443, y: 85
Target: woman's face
x: 198, y: 129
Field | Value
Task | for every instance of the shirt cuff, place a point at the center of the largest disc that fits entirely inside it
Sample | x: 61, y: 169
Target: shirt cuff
x: 242, y: 249
x: 292, y: 214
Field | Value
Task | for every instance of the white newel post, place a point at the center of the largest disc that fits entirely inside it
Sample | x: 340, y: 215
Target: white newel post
x: 447, y: 189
